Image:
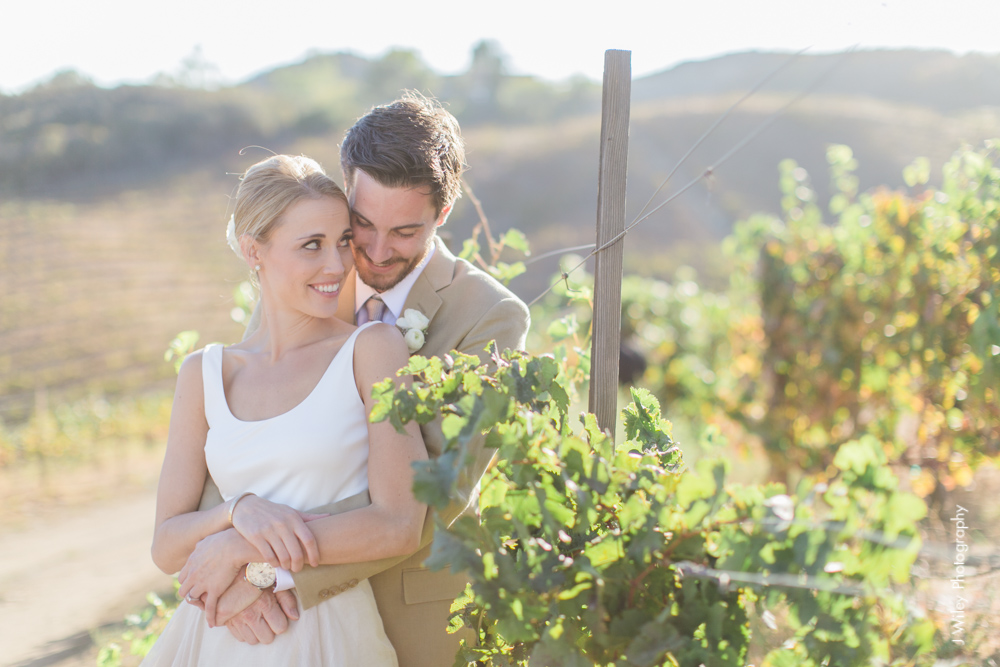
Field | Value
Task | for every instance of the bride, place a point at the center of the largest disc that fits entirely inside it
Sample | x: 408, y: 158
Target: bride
x: 280, y: 423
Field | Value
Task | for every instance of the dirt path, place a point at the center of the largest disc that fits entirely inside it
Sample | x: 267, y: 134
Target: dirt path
x: 63, y: 574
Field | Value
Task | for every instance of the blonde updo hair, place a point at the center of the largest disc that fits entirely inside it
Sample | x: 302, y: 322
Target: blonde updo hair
x: 269, y: 187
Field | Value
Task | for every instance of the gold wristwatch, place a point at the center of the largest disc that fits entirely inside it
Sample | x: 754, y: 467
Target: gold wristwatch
x: 261, y: 575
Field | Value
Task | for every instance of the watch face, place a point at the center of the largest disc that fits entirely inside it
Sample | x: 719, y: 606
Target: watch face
x: 261, y: 575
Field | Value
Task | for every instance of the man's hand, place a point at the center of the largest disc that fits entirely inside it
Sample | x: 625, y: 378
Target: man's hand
x: 240, y: 595
x: 265, y: 619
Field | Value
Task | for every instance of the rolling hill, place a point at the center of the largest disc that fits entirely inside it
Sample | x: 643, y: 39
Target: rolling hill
x: 113, y: 202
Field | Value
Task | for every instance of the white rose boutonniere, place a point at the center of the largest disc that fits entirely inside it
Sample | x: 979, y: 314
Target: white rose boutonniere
x: 413, y: 324
x: 414, y: 339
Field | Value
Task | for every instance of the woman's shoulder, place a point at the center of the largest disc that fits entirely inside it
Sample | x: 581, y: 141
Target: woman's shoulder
x: 379, y: 348
x: 378, y: 331
x: 210, y: 354
x: 190, y: 374
x: 379, y: 335
x: 192, y: 363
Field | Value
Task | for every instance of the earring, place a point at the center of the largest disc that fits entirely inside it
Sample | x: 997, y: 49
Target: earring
x: 257, y: 268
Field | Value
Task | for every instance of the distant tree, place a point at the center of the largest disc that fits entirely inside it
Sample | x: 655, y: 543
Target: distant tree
x: 398, y: 70
x: 66, y: 79
x: 197, y: 72
x: 485, y: 74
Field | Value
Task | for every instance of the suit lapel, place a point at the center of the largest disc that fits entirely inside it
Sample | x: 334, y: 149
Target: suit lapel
x: 423, y: 297
x: 436, y: 275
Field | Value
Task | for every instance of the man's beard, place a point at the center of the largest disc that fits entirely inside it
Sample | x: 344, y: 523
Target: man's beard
x: 383, y: 282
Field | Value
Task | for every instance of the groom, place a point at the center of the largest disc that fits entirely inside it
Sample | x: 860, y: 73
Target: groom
x: 402, y: 166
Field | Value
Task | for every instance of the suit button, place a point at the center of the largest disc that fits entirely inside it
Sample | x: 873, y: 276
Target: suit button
x: 343, y: 587
x: 324, y: 594
x: 353, y: 583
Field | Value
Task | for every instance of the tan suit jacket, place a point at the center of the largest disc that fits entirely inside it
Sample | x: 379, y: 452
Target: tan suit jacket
x: 467, y: 309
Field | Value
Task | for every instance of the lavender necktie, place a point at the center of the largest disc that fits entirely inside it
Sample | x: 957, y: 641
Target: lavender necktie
x: 375, y: 307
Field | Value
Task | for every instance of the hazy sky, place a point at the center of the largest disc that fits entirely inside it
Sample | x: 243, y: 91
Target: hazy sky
x: 117, y: 40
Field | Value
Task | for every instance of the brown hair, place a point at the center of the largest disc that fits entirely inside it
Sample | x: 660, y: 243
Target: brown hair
x: 412, y: 142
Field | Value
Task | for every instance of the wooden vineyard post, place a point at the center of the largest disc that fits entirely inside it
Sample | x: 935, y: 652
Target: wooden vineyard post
x: 612, y: 170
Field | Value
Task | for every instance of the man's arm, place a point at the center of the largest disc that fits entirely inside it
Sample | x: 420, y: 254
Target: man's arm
x: 507, y: 323
x: 234, y: 601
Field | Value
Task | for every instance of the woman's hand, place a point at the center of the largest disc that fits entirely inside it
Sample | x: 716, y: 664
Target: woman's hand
x: 278, y: 532
x: 211, y: 568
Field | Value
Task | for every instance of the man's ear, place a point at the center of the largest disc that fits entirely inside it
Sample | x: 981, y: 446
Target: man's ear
x: 445, y: 212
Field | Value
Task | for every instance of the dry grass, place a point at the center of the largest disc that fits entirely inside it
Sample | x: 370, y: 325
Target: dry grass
x: 94, y: 292
x: 32, y: 491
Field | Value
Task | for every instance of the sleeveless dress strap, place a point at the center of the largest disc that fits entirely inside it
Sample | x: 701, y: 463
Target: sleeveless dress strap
x: 348, y: 351
x: 211, y: 376
x: 342, y: 363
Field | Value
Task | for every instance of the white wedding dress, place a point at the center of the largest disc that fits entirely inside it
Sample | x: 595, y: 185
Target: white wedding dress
x: 314, y: 454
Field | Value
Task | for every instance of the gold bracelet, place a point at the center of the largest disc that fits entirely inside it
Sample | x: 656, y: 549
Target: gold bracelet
x: 232, y: 504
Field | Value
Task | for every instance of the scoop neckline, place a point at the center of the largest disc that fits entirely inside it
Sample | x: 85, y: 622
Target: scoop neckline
x: 229, y: 410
